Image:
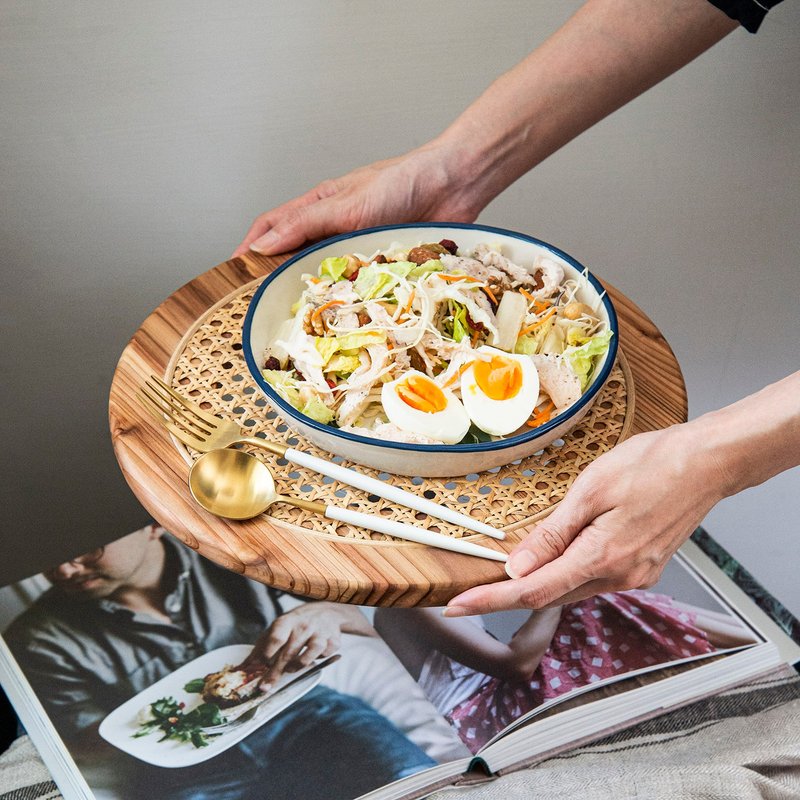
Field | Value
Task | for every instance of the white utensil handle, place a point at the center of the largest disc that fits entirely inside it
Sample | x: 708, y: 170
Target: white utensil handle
x: 410, y: 532
x: 389, y: 492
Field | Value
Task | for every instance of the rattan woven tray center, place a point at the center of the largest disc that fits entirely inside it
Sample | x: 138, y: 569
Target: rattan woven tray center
x: 208, y: 366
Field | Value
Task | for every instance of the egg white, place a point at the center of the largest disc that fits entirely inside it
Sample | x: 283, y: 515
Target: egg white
x: 449, y: 425
x: 500, y: 417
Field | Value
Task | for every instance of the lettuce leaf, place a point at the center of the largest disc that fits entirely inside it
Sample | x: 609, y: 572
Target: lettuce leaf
x: 333, y: 267
x: 317, y: 410
x: 284, y: 383
x: 420, y: 270
x: 347, y: 343
x: 372, y: 282
x: 326, y: 346
x: 460, y: 324
x: 531, y: 343
x: 378, y: 280
x: 342, y: 364
x: 527, y: 345
x: 356, y: 339
x: 581, y: 358
x: 288, y: 387
x: 575, y: 336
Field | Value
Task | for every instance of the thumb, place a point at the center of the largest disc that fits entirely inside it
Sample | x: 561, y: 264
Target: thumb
x: 552, y: 536
x: 299, y: 226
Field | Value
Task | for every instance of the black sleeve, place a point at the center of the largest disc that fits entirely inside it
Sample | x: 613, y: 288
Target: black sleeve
x: 748, y: 13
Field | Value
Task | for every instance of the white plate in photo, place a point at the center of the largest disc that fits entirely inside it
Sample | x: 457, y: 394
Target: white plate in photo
x: 119, y: 727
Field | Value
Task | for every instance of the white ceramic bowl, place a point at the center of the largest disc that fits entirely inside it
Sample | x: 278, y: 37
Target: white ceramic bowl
x: 280, y: 290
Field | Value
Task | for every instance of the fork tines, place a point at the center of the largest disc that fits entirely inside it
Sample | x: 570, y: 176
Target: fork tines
x: 163, y: 410
x: 168, y: 406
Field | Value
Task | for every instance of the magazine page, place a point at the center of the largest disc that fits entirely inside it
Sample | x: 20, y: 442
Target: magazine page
x: 166, y: 675
x: 487, y: 674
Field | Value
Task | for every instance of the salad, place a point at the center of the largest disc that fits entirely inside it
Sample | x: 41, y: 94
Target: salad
x: 232, y: 686
x: 433, y: 345
x: 169, y: 717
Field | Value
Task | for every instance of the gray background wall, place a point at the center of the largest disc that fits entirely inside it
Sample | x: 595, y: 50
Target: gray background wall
x: 138, y: 140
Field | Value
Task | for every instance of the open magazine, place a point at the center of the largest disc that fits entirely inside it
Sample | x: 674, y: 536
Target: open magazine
x: 142, y: 670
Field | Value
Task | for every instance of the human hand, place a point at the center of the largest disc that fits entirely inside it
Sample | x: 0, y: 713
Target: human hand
x: 620, y: 522
x: 416, y: 187
x: 295, y: 640
x: 299, y: 637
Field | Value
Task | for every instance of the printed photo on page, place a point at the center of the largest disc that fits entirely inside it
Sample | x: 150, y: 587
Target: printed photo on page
x: 484, y: 674
x: 166, y: 675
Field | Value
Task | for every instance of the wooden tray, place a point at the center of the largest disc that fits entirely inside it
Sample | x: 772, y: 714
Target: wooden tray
x: 193, y: 340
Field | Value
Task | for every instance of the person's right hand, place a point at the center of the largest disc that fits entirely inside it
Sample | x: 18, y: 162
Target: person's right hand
x: 416, y: 187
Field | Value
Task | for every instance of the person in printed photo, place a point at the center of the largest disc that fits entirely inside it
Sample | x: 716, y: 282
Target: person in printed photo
x: 481, y: 684
x: 120, y: 618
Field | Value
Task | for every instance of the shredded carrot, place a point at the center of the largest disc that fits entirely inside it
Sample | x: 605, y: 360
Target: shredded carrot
x: 540, y: 305
x: 407, y: 306
x: 490, y: 294
x: 475, y: 337
x: 314, y: 280
x: 527, y: 295
x: 450, y: 278
x: 538, y: 322
x: 317, y: 311
x: 541, y: 415
x: 458, y: 373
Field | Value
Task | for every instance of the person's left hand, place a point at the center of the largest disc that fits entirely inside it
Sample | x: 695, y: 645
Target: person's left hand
x: 295, y: 640
x: 620, y: 522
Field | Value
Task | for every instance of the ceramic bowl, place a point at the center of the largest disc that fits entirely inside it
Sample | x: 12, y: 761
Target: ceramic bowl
x: 274, y: 298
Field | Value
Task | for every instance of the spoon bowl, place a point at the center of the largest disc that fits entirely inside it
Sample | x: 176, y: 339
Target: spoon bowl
x: 232, y: 484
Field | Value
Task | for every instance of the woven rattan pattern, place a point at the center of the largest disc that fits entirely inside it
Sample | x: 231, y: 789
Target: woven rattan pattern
x: 208, y: 366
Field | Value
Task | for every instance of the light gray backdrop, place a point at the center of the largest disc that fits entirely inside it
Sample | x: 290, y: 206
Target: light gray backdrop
x: 138, y: 140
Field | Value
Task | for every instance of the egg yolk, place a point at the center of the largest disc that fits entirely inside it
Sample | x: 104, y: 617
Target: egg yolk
x: 500, y: 378
x: 422, y: 394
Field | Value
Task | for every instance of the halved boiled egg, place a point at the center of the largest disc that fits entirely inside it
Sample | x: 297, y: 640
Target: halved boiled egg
x: 416, y: 404
x: 499, y: 390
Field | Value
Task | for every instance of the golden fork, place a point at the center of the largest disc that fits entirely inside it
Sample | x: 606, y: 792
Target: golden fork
x: 203, y: 432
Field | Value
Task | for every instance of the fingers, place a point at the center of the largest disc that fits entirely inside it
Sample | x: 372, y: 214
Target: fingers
x: 300, y: 225
x: 259, y: 227
x: 588, y: 589
x: 282, y: 657
x: 543, y: 588
x: 294, y: 656
x: 264, y: 222
x: 551, y: 537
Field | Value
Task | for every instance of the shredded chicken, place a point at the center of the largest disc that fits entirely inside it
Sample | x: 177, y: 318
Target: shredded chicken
x: 519, y: 276
x: 342, y: 290
x: 551, y: 275
x: 373, y: 365
x: 476, y: 269
x: 558, y: 380
x: 383, y: 321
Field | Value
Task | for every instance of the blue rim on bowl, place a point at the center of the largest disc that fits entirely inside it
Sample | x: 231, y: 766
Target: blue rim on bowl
x: 493, y: 446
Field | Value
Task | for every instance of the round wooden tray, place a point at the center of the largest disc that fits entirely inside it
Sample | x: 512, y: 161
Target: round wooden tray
x: 193, y: 340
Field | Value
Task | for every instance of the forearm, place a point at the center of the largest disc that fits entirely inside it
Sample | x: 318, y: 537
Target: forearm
x: 608, y: 53
x: 754, y: 439
x: 532, y: 641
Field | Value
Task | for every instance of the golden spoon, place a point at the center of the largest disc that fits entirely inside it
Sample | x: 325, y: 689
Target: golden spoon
x: 237, y: 485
